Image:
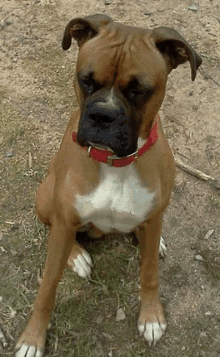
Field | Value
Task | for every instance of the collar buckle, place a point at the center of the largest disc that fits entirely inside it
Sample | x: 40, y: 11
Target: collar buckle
x: 110, y: 161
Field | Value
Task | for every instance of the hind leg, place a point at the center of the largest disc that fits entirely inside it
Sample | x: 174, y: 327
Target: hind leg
x: 94, y: 232
x: 162, y: 245
x: 80, y: 261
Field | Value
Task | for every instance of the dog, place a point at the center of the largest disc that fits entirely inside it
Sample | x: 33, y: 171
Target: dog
x: 114, y: 170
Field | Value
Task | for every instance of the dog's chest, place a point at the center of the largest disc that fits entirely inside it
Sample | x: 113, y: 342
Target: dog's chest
x: 120, y: 202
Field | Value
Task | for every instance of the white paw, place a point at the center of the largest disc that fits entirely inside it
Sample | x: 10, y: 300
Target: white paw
x: 29, y: 351
x: 152, y: 332
x: 82, y: 265
x: 162, y: 248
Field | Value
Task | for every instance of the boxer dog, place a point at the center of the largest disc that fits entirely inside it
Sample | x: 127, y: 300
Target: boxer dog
x: 114, y: 169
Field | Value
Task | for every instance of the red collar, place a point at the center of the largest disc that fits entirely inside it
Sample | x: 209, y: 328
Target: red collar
x: 107, y: 157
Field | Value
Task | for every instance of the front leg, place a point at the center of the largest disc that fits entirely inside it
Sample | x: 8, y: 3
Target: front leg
x: 32, y: 341
x: 151, y: 322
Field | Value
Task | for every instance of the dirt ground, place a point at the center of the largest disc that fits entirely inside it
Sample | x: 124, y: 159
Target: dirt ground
x: 36, y: 100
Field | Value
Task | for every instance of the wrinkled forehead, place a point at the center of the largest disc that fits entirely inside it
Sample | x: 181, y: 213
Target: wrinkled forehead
x: 117, y: 55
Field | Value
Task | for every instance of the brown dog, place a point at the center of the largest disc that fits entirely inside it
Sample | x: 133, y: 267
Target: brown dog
x: 114, y: 169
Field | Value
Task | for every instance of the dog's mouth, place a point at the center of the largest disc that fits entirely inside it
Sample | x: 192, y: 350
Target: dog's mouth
x: 119, y: 143
x: 100, y: 147
x: 119, y: 136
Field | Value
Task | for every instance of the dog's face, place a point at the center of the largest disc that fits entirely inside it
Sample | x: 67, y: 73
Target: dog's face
x: 120, y: 79
x: 117, y: 90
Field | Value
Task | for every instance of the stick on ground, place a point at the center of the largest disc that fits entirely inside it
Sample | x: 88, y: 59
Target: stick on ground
x: 197, y: 173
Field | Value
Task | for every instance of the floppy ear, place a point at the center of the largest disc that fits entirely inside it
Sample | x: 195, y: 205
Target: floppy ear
x: 83, y: 29
x: 175, y: 49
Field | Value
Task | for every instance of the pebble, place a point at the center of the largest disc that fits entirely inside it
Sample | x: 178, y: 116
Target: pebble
x: 9, y: 154
x: 107, y: 2
x: 8, y: 22
x: 193, y: 8
x: 199, y: 258
x: 203, y: 334
x: 120, y: 315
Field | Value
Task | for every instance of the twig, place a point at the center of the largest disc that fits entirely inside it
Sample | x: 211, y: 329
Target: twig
x: 205, y: 56
x: 197, y: 173
x: 15, y: 103
x: 210, y: 77
x: 217, y: 18
x: 179, y: 153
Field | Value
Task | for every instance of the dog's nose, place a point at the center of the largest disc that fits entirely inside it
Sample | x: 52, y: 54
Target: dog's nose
x: 102, y: 117
x: 101, y: 112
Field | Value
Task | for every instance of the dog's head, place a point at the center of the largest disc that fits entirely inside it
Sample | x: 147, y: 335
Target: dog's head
x: 120, y: 79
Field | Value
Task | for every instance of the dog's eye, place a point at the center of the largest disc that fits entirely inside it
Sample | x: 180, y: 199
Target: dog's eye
x: 137, y: 92
x: 137, y: 96
x: 134, y: 94
x: 87, y: 85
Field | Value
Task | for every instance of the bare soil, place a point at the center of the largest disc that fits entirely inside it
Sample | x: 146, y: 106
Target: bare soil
x: 36, y: 100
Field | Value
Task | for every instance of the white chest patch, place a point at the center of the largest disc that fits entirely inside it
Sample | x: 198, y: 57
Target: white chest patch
x: 120, y: 202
